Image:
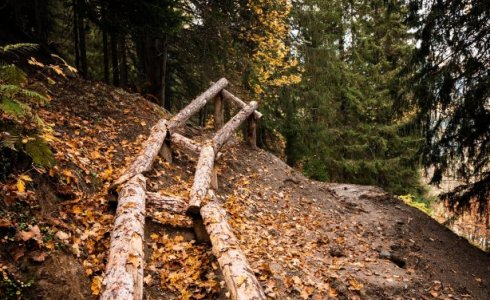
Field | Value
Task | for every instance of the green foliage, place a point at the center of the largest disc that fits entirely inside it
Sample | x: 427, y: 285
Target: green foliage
x: 11, y: 287
x: 40, y: 152
x: 21, y: 129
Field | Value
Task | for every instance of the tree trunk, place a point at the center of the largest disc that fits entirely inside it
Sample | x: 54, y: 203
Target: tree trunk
x: 124, y: 270
x: 81, y: 38
x: 238, y: 102
x: 115, y: 62
x: 123, y: 66
x: 238, y: 275
x: 172, y: 204
x: 105, y: 47
x: 164, y: 71
x: 188, y: 111
x: 75, y: 35
x: 148, y: 153
x: 224, y: 133
x: 202, y: 179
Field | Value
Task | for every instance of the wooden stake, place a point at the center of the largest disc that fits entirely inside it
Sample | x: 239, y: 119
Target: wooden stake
x: 239, y: 276
x: 252, y: 131
x: 202, y: 179
x: 198, y: 103
x: 124, y: 270
x: 214, y: 179
x: 224, y: 133
x: 166, y: 152
x: 147, y: 155
x: 218, y: 112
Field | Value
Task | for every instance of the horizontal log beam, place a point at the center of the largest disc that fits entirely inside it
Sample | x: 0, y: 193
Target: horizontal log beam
x: 224, y: 133
x: 147, y: 155
x: 185, y: 143
x: 124, y: 270
x: 239, y: 276
x: 171, y: 204
x: 179, y: 119
x: 238, y: 102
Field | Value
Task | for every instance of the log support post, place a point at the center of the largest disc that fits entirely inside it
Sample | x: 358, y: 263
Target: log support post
x: 252, y: 131
x: 218, y: 112
x: 202, y: 179
x: 214, y: 179
x: 166, y: 152
x: 124, y: 270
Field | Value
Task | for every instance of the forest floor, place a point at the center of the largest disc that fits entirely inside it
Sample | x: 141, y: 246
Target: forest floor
x: 304, y: 239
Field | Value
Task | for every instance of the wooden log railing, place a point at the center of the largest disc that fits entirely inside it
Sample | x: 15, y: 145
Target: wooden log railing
x: 124, y: 269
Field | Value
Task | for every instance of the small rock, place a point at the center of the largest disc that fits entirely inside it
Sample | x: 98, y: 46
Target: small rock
x: 336, y: 251
x: 384, y: 254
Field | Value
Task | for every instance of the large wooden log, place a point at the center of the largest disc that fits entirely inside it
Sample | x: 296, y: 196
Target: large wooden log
x: 124, y: 270
x: 147, y: 155
x: 171, y: 204
x: 239, y: 276
x: 202, y: 179
x: 179, y: 119
x: 224, y: 133
x: 238, y: 102
x: 185, y: 143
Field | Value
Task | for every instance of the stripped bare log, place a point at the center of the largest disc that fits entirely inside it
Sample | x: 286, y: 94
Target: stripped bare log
x: 202, y: 179
x: 238, y: 102
x: 179, y: 119
x: 171, y: 204
x: 224, y: 133
x: 238, y: 275
x: 124, y: 271
x: 185, y: 143
x: 147, y: 155
x: 252, y: 131
x: 218, y: 112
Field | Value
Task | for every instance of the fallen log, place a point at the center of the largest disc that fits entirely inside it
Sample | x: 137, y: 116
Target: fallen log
x: 202, y: 179
x: 239, y: 276
x: 185, y: 143
x: 124, y: 270
x: 147, y: 155
x: 238, y: 102
x: 179, y: 119
x: 171, y: 204
x: 224, y: 133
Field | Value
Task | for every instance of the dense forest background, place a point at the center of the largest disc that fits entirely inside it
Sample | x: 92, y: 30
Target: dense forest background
x: 366, y: 92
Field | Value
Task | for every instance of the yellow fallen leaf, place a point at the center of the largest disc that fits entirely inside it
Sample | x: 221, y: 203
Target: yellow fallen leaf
x: 241, y: 279
x: 96, y: 285
x: 21, y: 185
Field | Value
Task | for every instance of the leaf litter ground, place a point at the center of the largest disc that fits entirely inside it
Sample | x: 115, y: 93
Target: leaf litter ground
x: 304, y: 239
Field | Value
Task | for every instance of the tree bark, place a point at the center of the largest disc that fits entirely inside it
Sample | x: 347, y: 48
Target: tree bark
x: 202, y: 179
x: 185, y: 143
x: 163, y: 74
x: 81, y: 38
x: 124, y: 270
x: 148, y: 153
x: 238, y: 275
x: 188, y: 111
x: 105, y: 48
x: 224, y: 133
x: 218, y: 112
x: 171, y: 204
x: 115, y: 61
x: 75, y: 35
x: 238, y: 102
x: 123, y: 66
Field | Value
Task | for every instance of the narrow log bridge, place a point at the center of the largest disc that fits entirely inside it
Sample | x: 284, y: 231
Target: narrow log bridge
x: 124, y: 271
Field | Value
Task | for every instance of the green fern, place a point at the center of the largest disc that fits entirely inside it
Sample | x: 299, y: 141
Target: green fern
x: 12, y: 90
x: 16, y: 50
x: 12, y: 75
x: 15, y: 109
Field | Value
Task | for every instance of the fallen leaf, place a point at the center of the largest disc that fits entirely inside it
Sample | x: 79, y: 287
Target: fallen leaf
x: 96, y: 285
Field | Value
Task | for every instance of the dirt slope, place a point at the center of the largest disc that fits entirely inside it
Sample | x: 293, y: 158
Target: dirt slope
x: 304, y: 239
